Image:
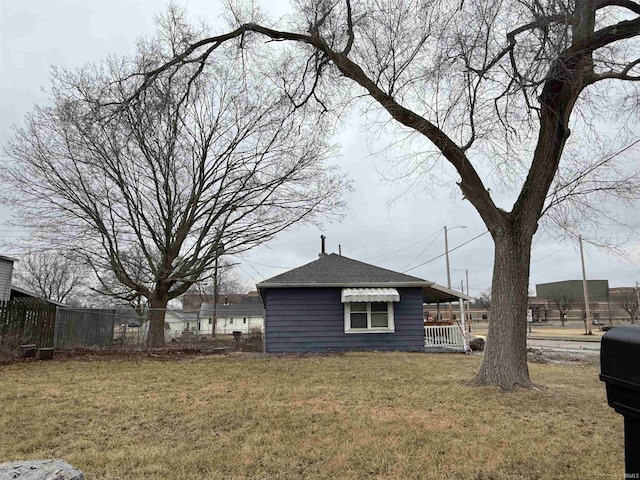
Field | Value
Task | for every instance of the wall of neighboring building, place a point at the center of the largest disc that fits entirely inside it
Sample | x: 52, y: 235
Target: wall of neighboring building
x: 312, y: 320
x: 6, y: 272
x: 193, y: 301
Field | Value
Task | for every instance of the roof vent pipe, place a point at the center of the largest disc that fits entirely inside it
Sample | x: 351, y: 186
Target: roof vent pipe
x: 339, y: 249
x: 322, y: 251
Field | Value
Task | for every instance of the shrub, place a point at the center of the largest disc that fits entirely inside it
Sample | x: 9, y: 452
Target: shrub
x: 9, y: 346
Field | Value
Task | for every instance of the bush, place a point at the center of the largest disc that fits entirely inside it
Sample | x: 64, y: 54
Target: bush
x: 255, y: 334
x: 10, y: 346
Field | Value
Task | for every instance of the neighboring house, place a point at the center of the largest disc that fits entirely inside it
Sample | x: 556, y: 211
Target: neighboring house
x: 244, y: 316
x: 337, y: 304
x: 6, y: 273
x: 178, y: 322
x: 192, y: 302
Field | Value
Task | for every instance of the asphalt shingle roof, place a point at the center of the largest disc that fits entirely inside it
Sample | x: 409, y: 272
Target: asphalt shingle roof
x: 248, y: 307
x: 335, y: 269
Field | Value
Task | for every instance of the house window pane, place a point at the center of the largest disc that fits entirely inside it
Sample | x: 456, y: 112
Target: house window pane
x: 358, y: 307
x: 378, y: 307
x: 379, y: 319
x: 379, y: 315
x: 358, y: 319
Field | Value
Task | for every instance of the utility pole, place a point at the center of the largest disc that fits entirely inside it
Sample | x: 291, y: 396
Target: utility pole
x: 446, y: 254
x: 585, y: 290
x: 637, y: 299
x: 214, y: 321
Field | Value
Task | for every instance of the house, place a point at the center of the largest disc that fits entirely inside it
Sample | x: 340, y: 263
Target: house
x: 178, y: 322
x: 192, y: 302
x: 336, y: 303
x: 6, y: 273
x: 243, y: 316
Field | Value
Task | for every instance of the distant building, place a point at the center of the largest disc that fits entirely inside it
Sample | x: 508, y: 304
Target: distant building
x: 598, y: 290
x: 243, y: 316
x: 191, y: 302
x: 6, y: 273
x: 607, y: 305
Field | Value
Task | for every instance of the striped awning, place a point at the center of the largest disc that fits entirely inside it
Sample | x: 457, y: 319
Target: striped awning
x: 370, y: 295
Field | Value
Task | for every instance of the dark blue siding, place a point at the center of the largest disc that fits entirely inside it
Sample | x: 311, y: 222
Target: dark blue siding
x: 312, y: 320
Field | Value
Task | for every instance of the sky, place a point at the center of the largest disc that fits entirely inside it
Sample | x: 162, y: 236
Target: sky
x: 382, y: 226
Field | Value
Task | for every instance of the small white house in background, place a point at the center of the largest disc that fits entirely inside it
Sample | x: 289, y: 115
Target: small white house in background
x: 6, y: 274
x: 178, y: 322
x: 243, y: 317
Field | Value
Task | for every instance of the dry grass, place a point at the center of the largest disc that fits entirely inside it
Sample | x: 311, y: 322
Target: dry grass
x: 360, y: 415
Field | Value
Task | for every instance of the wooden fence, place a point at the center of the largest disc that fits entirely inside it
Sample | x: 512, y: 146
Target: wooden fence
x: 31, y: 320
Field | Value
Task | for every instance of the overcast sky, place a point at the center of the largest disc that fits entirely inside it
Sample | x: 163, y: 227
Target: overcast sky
x: 400, y: 235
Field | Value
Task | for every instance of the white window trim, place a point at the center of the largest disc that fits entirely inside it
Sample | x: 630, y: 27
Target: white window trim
x: 347, y: 320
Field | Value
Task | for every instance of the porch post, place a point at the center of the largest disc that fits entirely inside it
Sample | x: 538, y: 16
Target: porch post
x: 465, y: 345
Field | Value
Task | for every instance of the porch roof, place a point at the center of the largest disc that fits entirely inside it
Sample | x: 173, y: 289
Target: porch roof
x: 438, y: 294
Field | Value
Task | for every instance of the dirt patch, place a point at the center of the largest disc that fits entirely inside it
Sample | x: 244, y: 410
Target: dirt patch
x: 540, y: 355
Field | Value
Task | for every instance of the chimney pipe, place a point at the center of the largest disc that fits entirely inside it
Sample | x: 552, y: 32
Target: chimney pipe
x: 322, y: 251
x: 339, y: 249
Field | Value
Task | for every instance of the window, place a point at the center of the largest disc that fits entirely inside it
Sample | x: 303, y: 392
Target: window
x: 368, y: 317
x: 231, y: 321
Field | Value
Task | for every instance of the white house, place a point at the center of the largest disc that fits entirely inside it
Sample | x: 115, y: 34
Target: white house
x: 245, y: 316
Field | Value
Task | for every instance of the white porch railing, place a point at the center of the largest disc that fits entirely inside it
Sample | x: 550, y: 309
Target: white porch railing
x: 444, y: 336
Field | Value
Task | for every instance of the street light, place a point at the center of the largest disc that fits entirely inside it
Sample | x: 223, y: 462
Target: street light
x: 446, y: 254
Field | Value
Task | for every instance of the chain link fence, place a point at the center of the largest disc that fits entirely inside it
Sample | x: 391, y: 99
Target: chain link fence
x: 70, y: 328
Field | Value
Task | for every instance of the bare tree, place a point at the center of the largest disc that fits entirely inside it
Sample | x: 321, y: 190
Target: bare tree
x: 496, y: 89
x: 52, y: 275
x: 493, y: 87
x: 628, y: 301
x: 484, y: 300
x: 563, y: 301
x: 228, y: 283
x: 209, y: 158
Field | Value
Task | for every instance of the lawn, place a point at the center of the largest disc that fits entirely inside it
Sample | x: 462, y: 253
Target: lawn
x: 358, y: 415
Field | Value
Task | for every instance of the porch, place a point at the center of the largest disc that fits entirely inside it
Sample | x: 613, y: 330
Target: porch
x: 444, y: 334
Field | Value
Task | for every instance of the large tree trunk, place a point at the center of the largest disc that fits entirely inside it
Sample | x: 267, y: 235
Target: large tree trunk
x: 158, y: 305
x: 505, y: 358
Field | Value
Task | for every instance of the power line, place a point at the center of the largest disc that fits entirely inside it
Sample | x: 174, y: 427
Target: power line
x: 404, y: 248
x: 450, y: 250
x: 248, y: 274
x: 254, y: 269
x: 425, y: 249
x: 550, y: 254
x: 264, y: 264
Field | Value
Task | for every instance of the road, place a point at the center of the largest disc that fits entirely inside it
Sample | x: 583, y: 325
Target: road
x: 569, y: 346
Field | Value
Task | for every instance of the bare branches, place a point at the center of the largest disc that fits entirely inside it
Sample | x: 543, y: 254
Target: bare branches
x: 627, y: 4
x: 53, y: 276
x: 154, y: 182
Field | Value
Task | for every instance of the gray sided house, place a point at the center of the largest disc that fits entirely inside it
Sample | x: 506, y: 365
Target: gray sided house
x: 6, y: 272
x: 339, y: 304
